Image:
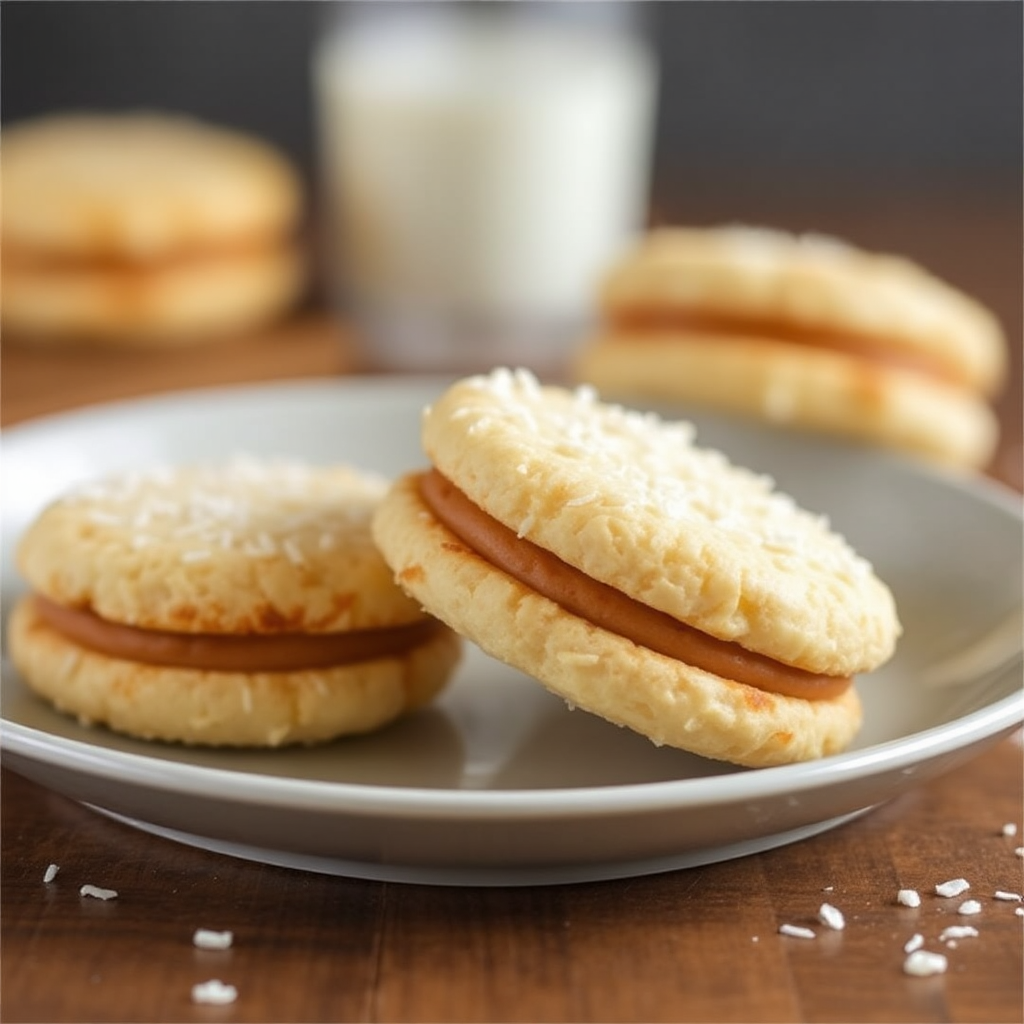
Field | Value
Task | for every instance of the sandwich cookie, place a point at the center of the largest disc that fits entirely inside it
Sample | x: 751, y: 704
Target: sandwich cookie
x: 144, y: 230
x: 806, y: 331
x: 238, y: 605
x: 636, y: 575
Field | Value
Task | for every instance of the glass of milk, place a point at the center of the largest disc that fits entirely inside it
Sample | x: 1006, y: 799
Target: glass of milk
x: 482, y: 164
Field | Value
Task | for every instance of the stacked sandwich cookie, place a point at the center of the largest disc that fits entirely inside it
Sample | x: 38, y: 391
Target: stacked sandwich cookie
x: 143, y: 230
x: 805, y: 331
x: 636, y: 575
x: 242, y: 604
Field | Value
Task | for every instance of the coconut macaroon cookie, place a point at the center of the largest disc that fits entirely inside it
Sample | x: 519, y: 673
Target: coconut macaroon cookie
x: 243, y: 604
x: 144, y: 229
x: 636, y: 575
x: 801, y: 330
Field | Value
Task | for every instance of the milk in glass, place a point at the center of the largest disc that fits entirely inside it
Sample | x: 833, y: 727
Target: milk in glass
x: 482, y: 163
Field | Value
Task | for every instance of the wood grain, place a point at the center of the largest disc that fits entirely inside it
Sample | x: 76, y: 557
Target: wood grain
x: 694, y: 945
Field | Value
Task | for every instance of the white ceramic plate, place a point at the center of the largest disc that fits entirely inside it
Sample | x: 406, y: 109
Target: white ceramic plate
x: 500, y: 783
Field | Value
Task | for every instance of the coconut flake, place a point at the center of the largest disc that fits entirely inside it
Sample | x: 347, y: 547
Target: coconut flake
x: 214, y: 993
x: 51, y: 873
x: 958, y: 931
x: 831, y: 917
x: 921, y: 963
x: 954, y: 887
x: 916, y: 941
x: 206, y: 938
x: 98, y: 893
x: 908, y: 898
x: 796, y: 931
x: 1010, y: 897
x: 969, y: 907
x: 1009, y: 829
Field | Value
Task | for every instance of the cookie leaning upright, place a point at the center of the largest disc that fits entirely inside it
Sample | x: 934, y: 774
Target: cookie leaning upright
x: 242, y: 605
x: 144, y: 229
x: 803, y: 330
x: 638, y: 576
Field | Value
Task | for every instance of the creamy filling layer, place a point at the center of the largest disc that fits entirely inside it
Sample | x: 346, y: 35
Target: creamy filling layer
x: 658, y: 323
x: 283, y: 652
x: 611, y: 609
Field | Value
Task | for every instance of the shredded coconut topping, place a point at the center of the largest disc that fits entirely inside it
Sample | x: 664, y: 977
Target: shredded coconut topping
x: 796, y: 931
x: 1009, y: 829
x: 224, y: 507
x: 916, y: 941
x: 969, y: 908
x: 909, y: 897
x: 51, y: 873
x: 1011, y: 897
x: 623, y: 436
x: 958, y: 931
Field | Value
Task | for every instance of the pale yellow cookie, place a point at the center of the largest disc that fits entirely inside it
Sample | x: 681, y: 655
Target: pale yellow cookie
x: 140, y: 187
x: 892, y: 354
x: 647, y: 524
x: 143, y: 230
x: 220, y: 604
x: 237, y: 709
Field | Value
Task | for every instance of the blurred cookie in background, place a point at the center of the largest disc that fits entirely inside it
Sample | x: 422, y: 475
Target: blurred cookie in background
x: 806, y: 331
x: 144, y: 229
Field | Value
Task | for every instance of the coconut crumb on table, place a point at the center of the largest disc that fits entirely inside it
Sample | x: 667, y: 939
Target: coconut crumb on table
x: 969, y: 907
x: 922, y: 963
x: 796, y: 931
x: 206, y: 938
x: 908, y: 898
x: 97, y: 892
x: 958, y: 931
x: 51, y: 873
x: 832, y: 917
x: 915, y: 942
x: 954, y: 887
x: 214, y: 993
x: 1012, y: 897
x: 1009, y: 829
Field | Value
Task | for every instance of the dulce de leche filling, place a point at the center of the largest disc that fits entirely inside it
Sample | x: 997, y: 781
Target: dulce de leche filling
x: 611, y: 609
x: 283, y: 652
x: 658, y: 322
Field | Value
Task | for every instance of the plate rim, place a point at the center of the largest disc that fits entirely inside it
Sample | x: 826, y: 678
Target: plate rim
x: 254, y: 788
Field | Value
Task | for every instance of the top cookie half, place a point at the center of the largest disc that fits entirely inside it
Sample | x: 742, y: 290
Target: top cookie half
x: 632, y: 502
x: 140, y: 187
x: 249, y: 547
x: 746, y: 280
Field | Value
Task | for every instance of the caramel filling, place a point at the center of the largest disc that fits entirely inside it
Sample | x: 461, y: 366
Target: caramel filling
x: 20, y: 258
x: 611, y: 609
x: 650, y: 321
x: 283, y: 652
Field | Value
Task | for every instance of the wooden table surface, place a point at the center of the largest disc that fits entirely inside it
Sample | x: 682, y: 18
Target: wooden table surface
x: 695, y: 945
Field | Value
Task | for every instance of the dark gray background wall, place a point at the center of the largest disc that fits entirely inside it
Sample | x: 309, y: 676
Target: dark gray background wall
x: 804, y: 91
